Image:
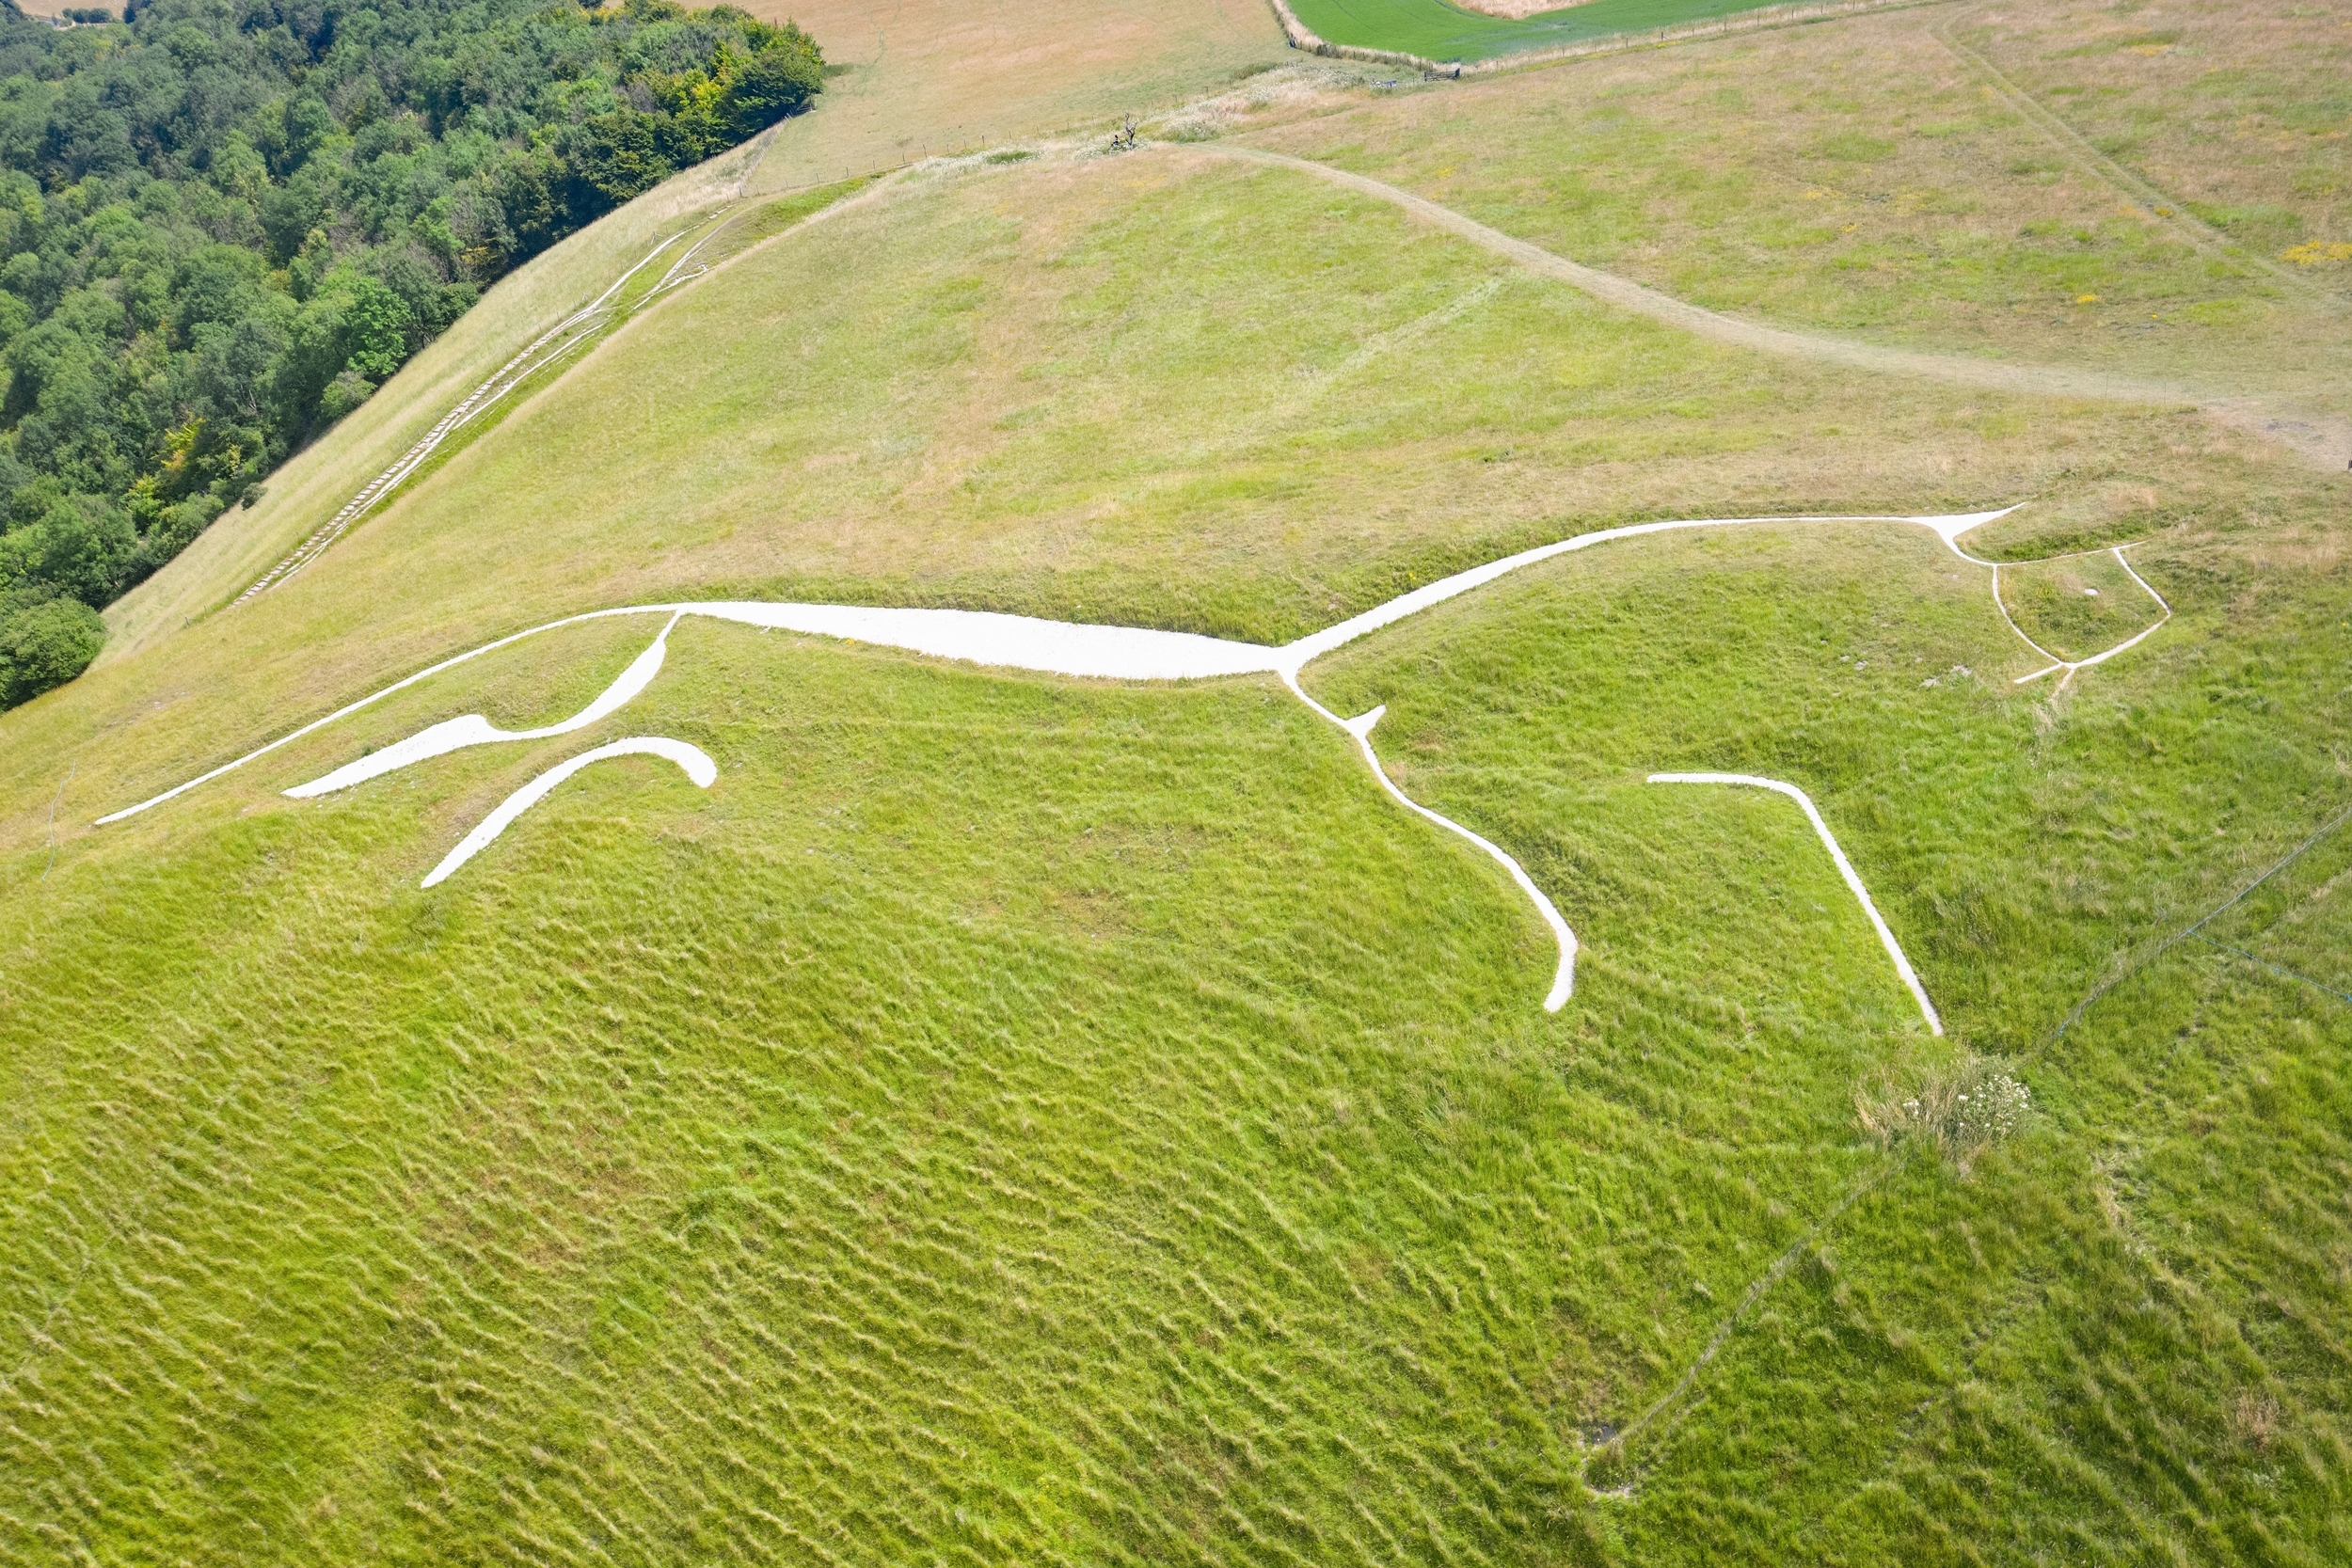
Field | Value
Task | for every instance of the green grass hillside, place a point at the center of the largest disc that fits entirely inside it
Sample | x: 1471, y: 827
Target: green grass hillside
x: 1009, y: 1119
x: 1868, y: 179
x: 1005, y: 392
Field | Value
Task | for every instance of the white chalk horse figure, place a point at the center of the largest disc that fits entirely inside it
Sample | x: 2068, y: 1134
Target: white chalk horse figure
x: 1066, y: 648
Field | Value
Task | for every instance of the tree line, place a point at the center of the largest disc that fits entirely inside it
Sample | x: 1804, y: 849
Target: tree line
x: 224, y: 223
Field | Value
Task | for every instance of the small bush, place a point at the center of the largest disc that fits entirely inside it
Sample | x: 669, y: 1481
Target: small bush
x: 347, y: 391
x: 2313, y: 253
x: 2254, y: 1419
x: 1961, y: 1106
x: 45, y: 645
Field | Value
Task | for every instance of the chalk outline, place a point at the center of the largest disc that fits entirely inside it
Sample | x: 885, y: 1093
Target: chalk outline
x: 1126, y: 653
x: 454, y: 734
x: 698, y: 766
x: 1845, y: 869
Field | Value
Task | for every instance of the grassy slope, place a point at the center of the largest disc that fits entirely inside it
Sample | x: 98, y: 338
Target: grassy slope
x: 1437, y: 31
x: 1157, y: 1150
x: 316, y: 483
x: 1858, y: 177
x: 921, y: 78
x: 2241, y: 111
x: 1135, y: 390
x: 2123, y: 1335
x: 2077, y: 606
x: 1160, y: 1150
x: 939, y: 76
x: 1066, y: 1160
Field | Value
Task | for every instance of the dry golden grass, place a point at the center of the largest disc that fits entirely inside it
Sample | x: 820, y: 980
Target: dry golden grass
x: 1163, y: 390
x: 2242, y: 111
x: 1517, y: 8
x: 933, y: 76
x: 1856, y: 177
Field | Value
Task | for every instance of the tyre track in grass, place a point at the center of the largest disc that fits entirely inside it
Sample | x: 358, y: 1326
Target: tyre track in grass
x: 2132, y: 187
x: 2322, y: 439
x: 535, y: 358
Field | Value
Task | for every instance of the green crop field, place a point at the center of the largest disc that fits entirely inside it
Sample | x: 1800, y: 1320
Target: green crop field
x: 1437, y: 31
x: 1011, y: 1117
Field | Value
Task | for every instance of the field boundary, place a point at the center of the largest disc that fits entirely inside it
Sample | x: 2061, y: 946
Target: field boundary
x: 1762, y: 18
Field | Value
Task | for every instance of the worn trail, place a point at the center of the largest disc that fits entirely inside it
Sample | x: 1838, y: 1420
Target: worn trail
x: 2324, y: 441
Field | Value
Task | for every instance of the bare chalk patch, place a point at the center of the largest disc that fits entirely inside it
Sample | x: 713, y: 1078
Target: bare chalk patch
x: 698, y: 767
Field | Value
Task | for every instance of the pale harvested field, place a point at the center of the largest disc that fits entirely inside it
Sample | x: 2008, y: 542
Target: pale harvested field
x: 1514, y: 9
x: 932, y: 77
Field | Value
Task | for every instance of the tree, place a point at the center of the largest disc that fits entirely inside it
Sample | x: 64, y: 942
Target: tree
x: 45, y: 645
x: 778, y: 80
x: 222, y: 227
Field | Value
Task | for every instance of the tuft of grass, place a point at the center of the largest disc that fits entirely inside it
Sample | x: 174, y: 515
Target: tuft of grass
x: 1958, y: 1108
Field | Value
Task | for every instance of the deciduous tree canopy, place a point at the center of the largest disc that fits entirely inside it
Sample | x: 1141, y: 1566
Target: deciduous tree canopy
x: 225, y: 222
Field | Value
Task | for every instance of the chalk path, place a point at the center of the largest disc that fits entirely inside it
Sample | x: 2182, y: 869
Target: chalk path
x: 1064, y: 648
x: 1845, y: 869
x: 503, y: 380
x: 2071, y: 665
x: 698, y: 767
x: 473, y: 730
x: 581, y: 327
